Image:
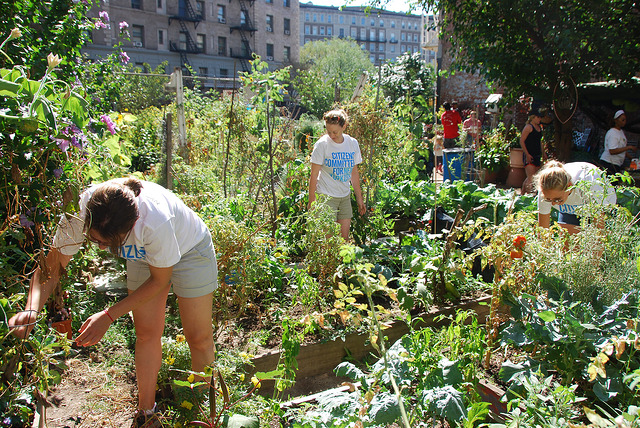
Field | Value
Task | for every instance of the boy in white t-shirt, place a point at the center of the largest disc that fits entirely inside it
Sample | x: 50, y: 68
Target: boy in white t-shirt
x: 334, y: 169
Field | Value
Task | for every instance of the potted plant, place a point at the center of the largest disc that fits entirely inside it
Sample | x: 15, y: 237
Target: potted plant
x: 492, y: 155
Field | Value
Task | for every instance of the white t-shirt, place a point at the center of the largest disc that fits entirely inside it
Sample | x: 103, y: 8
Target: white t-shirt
x: 166, y: 228
x: 581, y: 171
x: 337, y: 161
x: 614, y: 139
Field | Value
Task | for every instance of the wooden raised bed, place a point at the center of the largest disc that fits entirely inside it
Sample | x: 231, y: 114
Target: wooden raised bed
x: 317, y: 361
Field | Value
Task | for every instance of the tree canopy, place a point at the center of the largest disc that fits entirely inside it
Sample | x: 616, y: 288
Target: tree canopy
x: 527, y: 45
x: 329, y: 69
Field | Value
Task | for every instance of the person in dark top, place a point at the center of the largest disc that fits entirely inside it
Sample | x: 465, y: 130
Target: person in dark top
x: 531, y: 143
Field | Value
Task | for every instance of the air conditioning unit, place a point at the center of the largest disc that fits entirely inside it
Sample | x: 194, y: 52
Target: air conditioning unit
x: 269, y: 29
x: 287, y: 32
x: 222, y: 20
x: 137, y: 44
x: 269, y: 58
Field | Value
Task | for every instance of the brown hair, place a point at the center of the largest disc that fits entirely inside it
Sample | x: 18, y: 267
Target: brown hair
x: 336, y: 117
x: 552, y: 176
x: 112, y: 209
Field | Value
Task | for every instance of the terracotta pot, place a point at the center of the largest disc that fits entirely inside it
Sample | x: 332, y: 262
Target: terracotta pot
x: 63, y: 327
x: 489, y: 176
x: 516, y: 177
x: 515, y: 158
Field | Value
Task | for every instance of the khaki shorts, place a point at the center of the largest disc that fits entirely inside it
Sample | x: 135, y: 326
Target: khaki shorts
x: 341, y: 207
x: 195, y: 275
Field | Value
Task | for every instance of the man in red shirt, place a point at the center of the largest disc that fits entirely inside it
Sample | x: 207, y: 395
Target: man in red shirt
x: 450, y: 122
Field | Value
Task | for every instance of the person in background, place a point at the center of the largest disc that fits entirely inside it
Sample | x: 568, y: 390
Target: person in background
x: 615, y: 144
x: 451, y: 121
x: 531, y: 143
x: 473, y: 127
x: 334, y: 169
x: 556, y: 189
x: 438, y: 145
x: 165, y: 244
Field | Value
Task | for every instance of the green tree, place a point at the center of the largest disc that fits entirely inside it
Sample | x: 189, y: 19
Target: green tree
x: 408, y: 84
x: 329, y: 72
x: 528, y: 46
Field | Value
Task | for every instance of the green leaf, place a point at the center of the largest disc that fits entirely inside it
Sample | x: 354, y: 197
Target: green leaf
x: 8, y: 89
x: 78, y: 106
x: 349, y: 370
x: 241, y: 421
x: 547, y: 316
x: 384, y: 408
x: 446, y: 402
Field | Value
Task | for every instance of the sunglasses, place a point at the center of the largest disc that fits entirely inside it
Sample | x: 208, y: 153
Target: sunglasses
x: 97, y: 241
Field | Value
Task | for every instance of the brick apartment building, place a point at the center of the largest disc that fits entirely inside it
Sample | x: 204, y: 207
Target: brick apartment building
x: 212, y: 37
x: 384, y: 35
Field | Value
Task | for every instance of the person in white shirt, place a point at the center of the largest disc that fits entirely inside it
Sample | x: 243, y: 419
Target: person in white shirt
x: 334, y: 169
x: 615, y: 144
x: 556, y: 183
x: 165, y: 244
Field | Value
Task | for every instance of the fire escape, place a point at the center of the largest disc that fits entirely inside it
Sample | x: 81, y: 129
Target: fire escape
x: 186, y: 44
x: 246, y: 30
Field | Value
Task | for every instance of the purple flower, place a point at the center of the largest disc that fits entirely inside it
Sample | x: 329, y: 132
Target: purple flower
x: 124, y: 58
x: 57, y: 173
x: 62, y: 143
x: 25, y: 222
x: 104, y: 16
x: 110, y: 125
x: 100, y: 24
x: 123, y: 25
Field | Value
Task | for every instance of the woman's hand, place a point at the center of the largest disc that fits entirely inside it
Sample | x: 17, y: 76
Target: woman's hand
x: 22, y: 323
x: 93, y: 329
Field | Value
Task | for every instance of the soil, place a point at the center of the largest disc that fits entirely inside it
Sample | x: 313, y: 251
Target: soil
x: 91, y: 395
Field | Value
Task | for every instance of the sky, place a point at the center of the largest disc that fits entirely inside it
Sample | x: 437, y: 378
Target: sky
x: 392, y: 5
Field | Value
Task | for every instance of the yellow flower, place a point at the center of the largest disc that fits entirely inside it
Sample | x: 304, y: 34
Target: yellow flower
x: 170, y: 361
x: 53, y: 61
x: 191, y: 378
x: 241, y: 377
x: 186, y: 405
x: 180, y: 338
x: 15, y: 33
x: 255, y: 381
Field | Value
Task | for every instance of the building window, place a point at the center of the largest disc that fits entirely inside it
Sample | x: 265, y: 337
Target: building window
x: 402, y: 24
x: 363, y: 34
x: 403, y: 48
x: 322, y: 31
x: 203, y: 71
x: 329, y: 31
x: 393, y: 24
x: 245, y: 50
x: 136, y: 4
x: 372, y: 34
x: 221, y: 14
x: 137, y: 35
x: 322, y: 17
x: 222, y: 46
x: 270, y: 23
x: 372, y: 58
x: 329, y: 19
x: 269, y: 1
x: 224, y: 72
x: 415, y: 38
x: 373, y: 22
x: 354, y: 32
x: 269, y: 51
x: 341, y: 19
x: 287, y: 53
x: 362, y: 21
x: 182, y: 41
x: 161, y: 37
x: 286, y: 3
x: 159, y: 4
x: 314, y: 30
x: 382, y: 22
x: 382, y: 36
x: 393, y: 49
x: 287, y: 26
x: 200, y: 8
x: 402, y: 37
x: 353, y: 20
x: 342, y: 32
x: 243, y: 18
x: 381, y: 47
x: 201, y: 42
x: 306, y: 16
x: 307, y: 29
x: 315, y: 18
